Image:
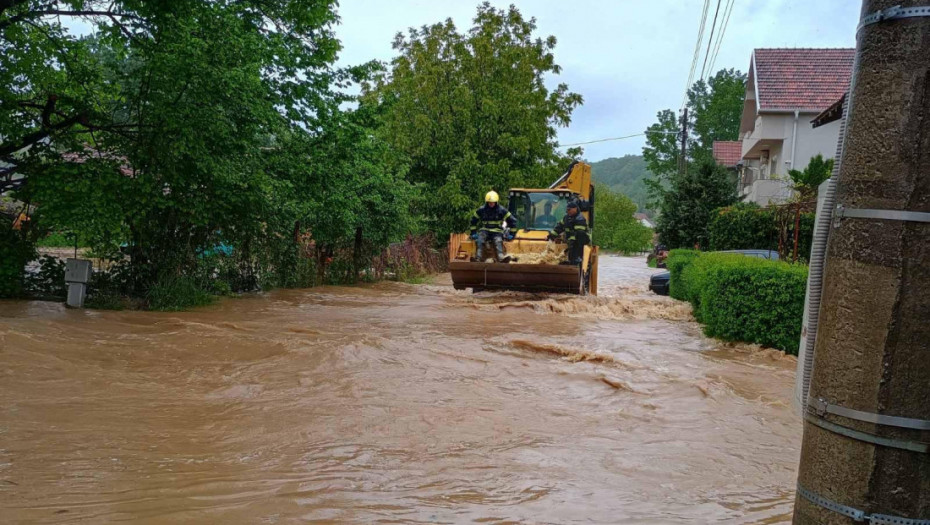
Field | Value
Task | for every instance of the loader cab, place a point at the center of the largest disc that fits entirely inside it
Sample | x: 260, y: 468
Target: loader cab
x: 539, y: 210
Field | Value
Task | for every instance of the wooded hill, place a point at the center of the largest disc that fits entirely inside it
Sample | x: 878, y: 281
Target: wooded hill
x: 624, y: 175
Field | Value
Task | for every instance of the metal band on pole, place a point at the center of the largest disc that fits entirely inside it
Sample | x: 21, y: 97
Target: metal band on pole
x: 843, y: 212
x: 903, y: 444
x: 893, y: 13
x: 857, y: 514
x: 822, y: 407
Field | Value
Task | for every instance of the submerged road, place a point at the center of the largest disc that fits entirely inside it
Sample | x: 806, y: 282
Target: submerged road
x: 393, y: 403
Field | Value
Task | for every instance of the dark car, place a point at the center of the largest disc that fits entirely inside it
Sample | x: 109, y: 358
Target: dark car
x: 658, y: 283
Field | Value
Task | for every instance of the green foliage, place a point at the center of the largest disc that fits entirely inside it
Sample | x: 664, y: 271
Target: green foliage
x: 678, y: 260
x: 48, y: 281
x: 688, y: 204
x: 172, y: 293
x: 743, y: 226
x: 685, y: 200
x: 662, y: 149
x: 806, y: 181
x: 755, y: 300
x: 15, y: 251
x: 740, y: 298
x: 472, y: 112
x: 652, y: 262
x: 183, y: 126
x: 626, y: 175
x: 57, y: 239
x: 714, y: 111
x: 615, y: 227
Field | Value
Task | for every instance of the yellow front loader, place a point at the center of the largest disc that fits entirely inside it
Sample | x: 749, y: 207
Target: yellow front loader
x: 536, y: 211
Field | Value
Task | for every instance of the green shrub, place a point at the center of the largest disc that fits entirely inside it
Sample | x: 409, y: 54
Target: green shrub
x: 174, y: 293
x: 741, y: 298
x: 48, y: 281
x: 676, y: 262
x: 743, y: 226
x: 57, y: 240
x: 15, y: 252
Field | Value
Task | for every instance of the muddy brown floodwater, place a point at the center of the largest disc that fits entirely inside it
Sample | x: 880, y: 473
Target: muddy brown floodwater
x: 393, y: 403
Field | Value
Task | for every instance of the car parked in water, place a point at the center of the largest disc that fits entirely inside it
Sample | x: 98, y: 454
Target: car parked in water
x: 659, y: 282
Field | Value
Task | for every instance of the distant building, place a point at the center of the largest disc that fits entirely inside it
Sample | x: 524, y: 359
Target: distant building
x: 786, y: 90
x: 728, y: 153
x: 644, y: 220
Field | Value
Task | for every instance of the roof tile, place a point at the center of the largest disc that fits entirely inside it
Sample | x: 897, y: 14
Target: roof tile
x: 802, y: 78
x: 728, y: 152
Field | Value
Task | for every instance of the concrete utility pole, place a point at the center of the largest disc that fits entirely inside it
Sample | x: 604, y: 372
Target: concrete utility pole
x: 866, y: 450
x: 683, y: 158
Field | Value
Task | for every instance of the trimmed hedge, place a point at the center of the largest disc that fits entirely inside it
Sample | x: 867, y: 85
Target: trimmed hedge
x: 676, y: 262
x: 746, y: 226
x: 743, y: 226
x: 740, y: 298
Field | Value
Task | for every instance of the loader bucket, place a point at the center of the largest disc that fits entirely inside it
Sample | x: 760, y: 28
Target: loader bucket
x: 520, y: 277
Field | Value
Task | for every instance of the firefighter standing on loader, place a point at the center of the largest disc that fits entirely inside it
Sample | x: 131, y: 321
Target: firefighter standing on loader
x: 575, y: 228
x: 487, y: 225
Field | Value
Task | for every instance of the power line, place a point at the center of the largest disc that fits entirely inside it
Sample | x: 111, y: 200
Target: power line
x: 726, y: 20
x: 710, y: 39
x: 619, y: 138
x: 697, y: 51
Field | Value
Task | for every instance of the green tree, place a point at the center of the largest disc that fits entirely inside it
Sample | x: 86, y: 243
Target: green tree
x: 472, y: 112
x: 616, y: 228
x: 662, y: 149
x: 181, y: 126
x: 688, y: 204
x: 714, y: 111
x: 805, y: 184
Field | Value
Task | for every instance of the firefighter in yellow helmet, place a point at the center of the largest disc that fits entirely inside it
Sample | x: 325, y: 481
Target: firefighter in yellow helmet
x: 487, y: 224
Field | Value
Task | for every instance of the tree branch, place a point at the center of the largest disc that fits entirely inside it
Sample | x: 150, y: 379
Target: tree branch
x: 62, y: 12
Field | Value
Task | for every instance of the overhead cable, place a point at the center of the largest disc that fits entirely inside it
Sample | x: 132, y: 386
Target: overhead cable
x: 697, y: 52
x: 710, y: 40
x: 619, y: 138
x: 723, y: 29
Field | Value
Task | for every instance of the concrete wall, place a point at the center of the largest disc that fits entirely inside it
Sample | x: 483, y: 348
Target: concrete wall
x: 813, y: 141
x: 770, y: 182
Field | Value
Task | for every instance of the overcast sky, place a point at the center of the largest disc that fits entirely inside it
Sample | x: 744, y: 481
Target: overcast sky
x: 627, y: 58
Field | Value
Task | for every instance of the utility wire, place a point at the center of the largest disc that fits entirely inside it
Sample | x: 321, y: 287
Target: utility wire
x: 697, y: 51
x: 619, y: 138
x: 710, y: 39
x: 726, y: 20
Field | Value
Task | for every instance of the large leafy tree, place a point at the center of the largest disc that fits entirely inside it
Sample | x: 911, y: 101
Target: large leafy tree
x: 160, y: 126
x: 686, y: 197
x: 472, y: 111
x: 716, y: 107
x: 617, y: 229
x: 714, y: 110
x: 688, y: 203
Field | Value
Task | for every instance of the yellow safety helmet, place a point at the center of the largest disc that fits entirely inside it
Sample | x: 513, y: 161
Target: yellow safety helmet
x: 491, y: 196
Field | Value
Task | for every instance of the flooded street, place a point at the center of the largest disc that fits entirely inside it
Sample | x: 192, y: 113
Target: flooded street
x: 393, y: 403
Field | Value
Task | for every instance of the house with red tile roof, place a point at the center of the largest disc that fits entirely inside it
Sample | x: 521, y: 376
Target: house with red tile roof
x: 728, y: 153
x: 786, y: 90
